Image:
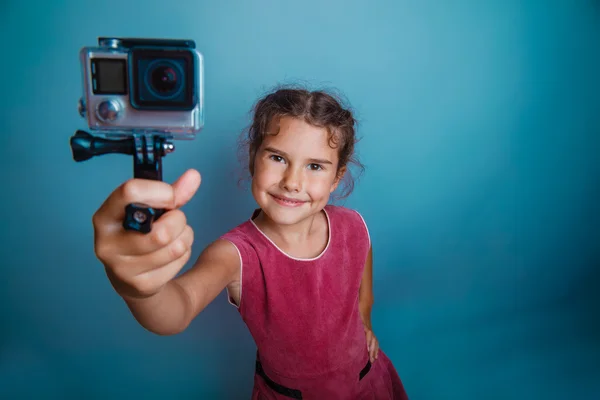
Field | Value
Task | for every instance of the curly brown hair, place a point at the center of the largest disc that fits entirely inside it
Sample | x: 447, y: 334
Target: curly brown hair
x: 321, y: 108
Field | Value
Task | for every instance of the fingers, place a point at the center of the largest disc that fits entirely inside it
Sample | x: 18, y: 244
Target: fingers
x: 186, y: 186
x: 372, y: 346
x: 164, y: 232
x: 143, y: 276
x: 148, y: 283
x: 140, y: 264
x: 122, y: 246
x: 374, y: 350
x: 156, y: 194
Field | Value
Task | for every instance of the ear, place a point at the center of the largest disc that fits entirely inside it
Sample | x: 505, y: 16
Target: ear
x: 338, y: 179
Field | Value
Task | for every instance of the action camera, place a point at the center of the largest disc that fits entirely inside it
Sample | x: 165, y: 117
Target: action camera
x: 143, y: 85
x: 139, y: 94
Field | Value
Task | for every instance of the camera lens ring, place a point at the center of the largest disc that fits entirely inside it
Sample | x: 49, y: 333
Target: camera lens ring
x: 173, y: 69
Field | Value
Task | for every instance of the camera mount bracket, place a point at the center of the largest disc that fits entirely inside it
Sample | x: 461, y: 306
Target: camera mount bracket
x: 147, y: 150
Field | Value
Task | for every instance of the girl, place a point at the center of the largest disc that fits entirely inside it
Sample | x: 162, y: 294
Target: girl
x: 298, y: 270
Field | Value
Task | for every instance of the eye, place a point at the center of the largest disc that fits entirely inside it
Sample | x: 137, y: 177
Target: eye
x: 276, y: 158
x: 315, y: 167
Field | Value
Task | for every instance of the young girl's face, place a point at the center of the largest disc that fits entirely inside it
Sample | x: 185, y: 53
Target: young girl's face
x: 295, y: 171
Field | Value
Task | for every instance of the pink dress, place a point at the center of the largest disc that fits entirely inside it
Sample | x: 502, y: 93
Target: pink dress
x: 304, y: 317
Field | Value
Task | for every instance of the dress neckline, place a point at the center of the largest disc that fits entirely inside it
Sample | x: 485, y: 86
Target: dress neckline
x: 257, y: 211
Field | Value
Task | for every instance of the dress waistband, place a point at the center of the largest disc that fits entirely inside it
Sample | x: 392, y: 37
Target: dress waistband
x: 295, y: 393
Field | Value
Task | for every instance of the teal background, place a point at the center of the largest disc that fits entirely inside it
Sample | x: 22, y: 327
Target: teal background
x: 480, y: 123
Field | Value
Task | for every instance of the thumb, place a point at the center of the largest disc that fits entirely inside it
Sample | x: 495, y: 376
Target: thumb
x: 186, y: 186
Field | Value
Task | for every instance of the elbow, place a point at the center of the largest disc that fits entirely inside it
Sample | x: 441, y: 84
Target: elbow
x: 162, y: 328
x: 166, y: 331
x: 367, y: 301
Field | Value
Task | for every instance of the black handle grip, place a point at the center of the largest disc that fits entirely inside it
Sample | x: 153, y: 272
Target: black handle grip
x: 139, y: 217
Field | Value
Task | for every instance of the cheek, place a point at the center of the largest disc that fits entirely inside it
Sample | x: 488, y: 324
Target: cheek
x: 265, y: 175
x: 321, y: 185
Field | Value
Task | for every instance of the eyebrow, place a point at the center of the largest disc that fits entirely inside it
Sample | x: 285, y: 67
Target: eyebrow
x: 284, y: 154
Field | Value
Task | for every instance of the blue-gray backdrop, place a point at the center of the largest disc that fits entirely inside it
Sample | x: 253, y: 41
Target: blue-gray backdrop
x: 480, y: 123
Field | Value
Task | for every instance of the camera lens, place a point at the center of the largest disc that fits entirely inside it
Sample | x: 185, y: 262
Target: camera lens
x: 164, y: 79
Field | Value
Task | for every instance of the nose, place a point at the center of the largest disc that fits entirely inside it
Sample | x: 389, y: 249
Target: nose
x: 292, y: 180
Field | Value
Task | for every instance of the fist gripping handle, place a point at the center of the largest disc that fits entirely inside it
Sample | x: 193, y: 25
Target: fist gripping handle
x: 139, y: 217
x: 147, y: 150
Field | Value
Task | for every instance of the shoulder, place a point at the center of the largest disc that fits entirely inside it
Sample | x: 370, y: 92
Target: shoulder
x: 341, y: 210
x: 348, y: 218
x: 345, y: 212
x: 241, y: 238
x: 231, y: 246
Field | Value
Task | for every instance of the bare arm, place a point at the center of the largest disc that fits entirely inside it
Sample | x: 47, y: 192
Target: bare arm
x: 171, y: 310
x: 366, y: 304
x: 366, y: 291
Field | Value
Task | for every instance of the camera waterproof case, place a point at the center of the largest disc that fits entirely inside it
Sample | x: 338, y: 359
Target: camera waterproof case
x: 143, y: 85
x: 139, y: 94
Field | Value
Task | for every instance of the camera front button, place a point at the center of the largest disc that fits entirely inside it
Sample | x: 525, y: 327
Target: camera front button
x: 108, y: 110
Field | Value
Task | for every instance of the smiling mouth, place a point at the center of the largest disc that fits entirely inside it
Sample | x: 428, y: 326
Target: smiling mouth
x: 287, y: 202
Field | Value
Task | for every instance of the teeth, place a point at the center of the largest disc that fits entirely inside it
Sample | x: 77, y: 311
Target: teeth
x: 289, y: 201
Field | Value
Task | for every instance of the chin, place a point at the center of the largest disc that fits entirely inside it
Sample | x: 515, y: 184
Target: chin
x: 286, y: 215
x: 287, y: 218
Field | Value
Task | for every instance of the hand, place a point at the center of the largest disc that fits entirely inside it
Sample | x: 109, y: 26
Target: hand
x: 139, y: 265
x: 372, y: 345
